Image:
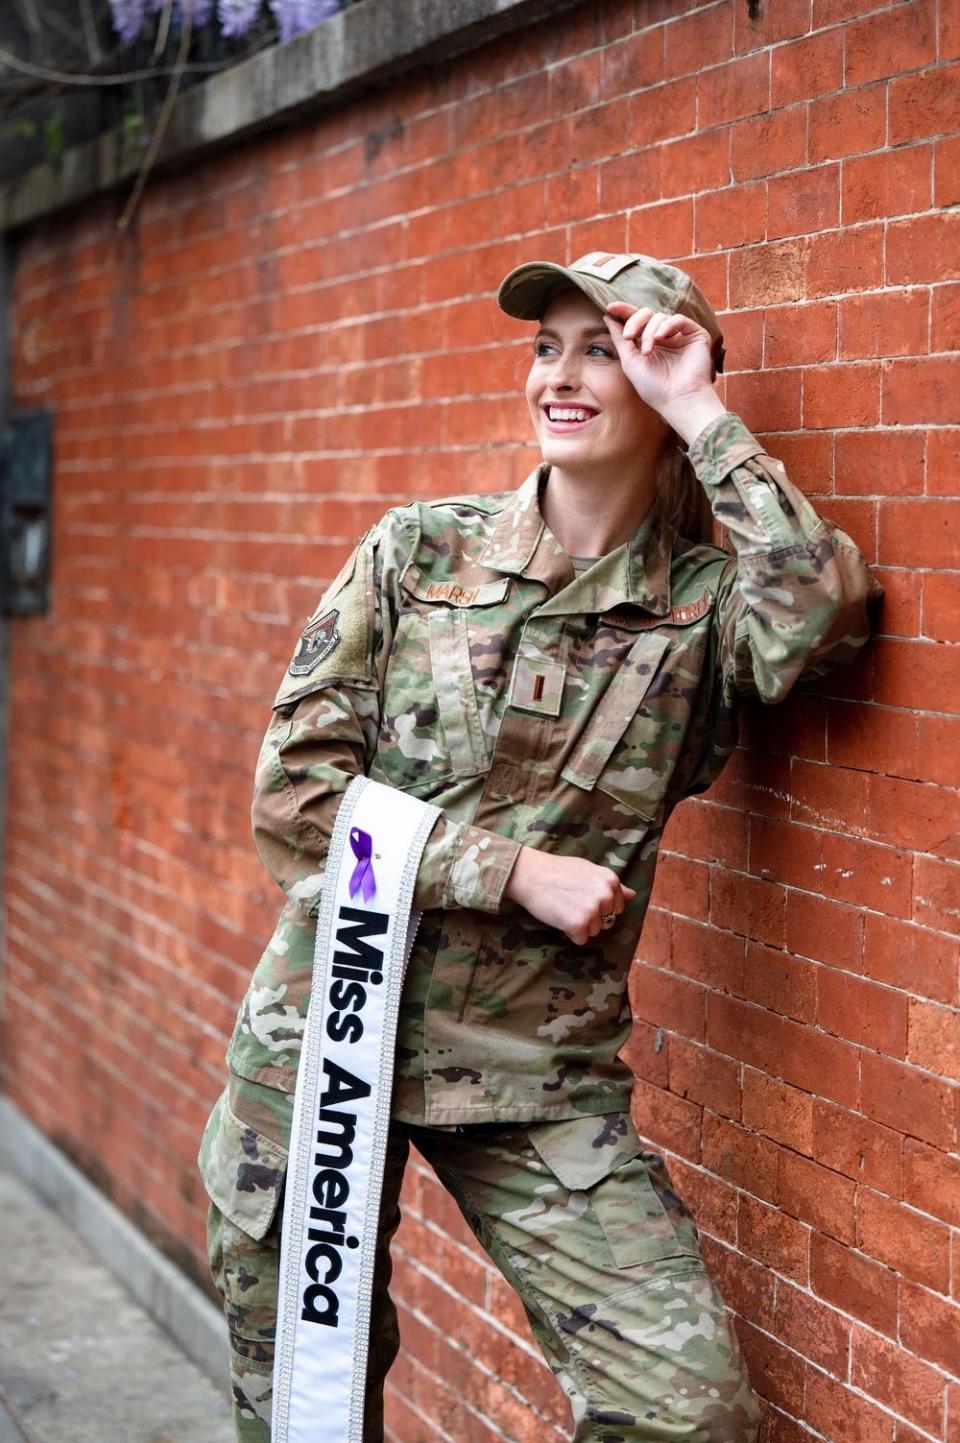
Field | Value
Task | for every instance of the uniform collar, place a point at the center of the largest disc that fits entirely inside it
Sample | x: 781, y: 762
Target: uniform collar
x: 636, y: 573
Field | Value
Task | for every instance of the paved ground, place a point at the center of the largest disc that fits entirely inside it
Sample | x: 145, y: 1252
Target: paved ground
x: 80, y: 1362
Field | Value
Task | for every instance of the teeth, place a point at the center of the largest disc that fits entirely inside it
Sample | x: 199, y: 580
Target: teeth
x: 567, y: 413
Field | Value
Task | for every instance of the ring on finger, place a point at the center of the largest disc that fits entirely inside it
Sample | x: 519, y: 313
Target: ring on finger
x: 608, y: 919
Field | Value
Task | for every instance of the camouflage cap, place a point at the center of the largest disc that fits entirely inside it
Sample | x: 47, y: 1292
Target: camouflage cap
x: 603, y: 277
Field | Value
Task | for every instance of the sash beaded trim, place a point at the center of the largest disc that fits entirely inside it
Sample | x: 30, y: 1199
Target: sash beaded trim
x: 332, y: 1201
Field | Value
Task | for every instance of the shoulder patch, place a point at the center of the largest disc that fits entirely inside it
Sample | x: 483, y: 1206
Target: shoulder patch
x: 317, y: 641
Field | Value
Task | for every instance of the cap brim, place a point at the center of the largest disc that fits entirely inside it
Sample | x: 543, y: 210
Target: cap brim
x: 523, y: 293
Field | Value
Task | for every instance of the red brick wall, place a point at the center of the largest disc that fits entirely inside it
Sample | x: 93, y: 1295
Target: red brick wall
x: 301, y: 332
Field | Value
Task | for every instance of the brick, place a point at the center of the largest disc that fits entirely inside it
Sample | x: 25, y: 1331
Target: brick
x: 667, y: 228
x: 803, y: 201
x: 629, y: 180
x: 907, y: 672
x: 741, y: 1031
x: 747, y: 1288
x: 647, y: 1053
x: 923, y: 104
x: 666, y: 1000
x: 812, y: 1329
x: 826, y: 1066
x: 695, y: 163
x: 929, y: 1325
x: 733, y: 90
x: 856, y: 870
x: 779, y: 1111
x: 808, y: 67
x: 920, y: 534
x: 776, y: 1374
x: 890, y: 42
x: 946, y: 171
x: 779, y: 982
x: 890, y: 182
x: 798, y: 334
x: 771, y: 274
x: 703, y: 1076
x: 848, y: 123
x: 731, y: 217
x: 689, y: 38
x: 936, y: 891
x: 825, y: 931
x: 890, y: 1375
x: 945, y: 319
x: 943, y: 456
x: 847, y: 395
x: 905, y: 1240
x: 941, y: 621
x: 774, y: 396
x: 816, y: 1195
x: 743, y: 338
x: 939, y: 744
x: 863, y: 1012
x: 902, y: 1097
x: 923, y: 387
x: 681, y: 886
x: 891, y: 324
x: 849, y: 259
x: 884, y: 462
x: 769, y: 143
x: 896, y: 952
x: 934, y: 1038
x: 918, y: 815
x: 668, y: 1121
x: 712, y: 1202
x: 748, y: 906
x: 854, y: 1283
x: 706, y: 955
x: 742, y: 1157
x: 836, y: 1412
x: 633, y: 62
x: 921, y: 250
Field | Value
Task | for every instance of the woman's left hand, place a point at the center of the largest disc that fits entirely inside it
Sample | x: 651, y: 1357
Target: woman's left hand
x: 665, y: 357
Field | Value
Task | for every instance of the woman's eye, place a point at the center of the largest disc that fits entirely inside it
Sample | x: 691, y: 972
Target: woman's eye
x: 542, y: 348
x: 603, y: 350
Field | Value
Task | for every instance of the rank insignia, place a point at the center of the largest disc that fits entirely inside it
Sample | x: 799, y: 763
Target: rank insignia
x: 316, y: 642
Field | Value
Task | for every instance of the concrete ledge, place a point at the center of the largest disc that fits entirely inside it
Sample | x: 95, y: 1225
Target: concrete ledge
x: 357, y: 49
x: 176, y: 1303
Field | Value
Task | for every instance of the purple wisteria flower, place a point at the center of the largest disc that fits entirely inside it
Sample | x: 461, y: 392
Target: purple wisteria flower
x: 235, y: 17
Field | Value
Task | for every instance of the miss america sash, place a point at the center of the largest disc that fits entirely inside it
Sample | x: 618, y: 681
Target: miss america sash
x: 341, y: 1113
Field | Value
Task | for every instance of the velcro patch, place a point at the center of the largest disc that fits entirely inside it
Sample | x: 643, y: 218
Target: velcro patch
x: 317, y: 641
x: 603, y: 265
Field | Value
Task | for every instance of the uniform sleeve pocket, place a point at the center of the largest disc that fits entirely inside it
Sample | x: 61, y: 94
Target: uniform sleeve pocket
x: 629, y: 1190
x: 242, y: 1170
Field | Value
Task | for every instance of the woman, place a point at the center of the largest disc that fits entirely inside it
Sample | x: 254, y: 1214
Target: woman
x: 555, y: 668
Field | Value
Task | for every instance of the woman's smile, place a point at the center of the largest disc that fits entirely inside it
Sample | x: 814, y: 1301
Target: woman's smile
x: 563, y: 418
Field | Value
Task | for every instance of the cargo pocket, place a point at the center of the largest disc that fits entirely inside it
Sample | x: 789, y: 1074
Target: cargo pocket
x: 619, y: 749
x: 628, y: 1187
x: 243, y: 1172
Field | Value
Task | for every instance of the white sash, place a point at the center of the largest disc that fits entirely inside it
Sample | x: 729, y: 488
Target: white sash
x: 341, y: 1113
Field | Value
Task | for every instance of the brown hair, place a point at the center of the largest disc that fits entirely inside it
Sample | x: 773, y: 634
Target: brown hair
x: 683, y: 504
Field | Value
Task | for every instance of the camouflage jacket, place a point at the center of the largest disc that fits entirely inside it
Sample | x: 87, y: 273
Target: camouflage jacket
x: 457, y: 657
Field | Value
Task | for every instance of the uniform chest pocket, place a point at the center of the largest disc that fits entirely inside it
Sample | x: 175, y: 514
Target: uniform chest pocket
x: 431, y: 730
x: 623, y: 748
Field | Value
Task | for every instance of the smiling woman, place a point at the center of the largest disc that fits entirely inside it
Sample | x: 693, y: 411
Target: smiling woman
x: 554, y: 668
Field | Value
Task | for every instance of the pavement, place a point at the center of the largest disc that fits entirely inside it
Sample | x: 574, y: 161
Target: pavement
x: 80, y: 1361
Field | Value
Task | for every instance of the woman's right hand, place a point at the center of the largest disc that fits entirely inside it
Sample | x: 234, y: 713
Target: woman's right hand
x: 569, y: 893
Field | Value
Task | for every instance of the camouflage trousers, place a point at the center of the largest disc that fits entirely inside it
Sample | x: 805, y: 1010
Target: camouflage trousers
x: 585, y: 1225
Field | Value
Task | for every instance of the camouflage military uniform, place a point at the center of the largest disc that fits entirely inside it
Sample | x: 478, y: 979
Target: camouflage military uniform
x: 457, y: 657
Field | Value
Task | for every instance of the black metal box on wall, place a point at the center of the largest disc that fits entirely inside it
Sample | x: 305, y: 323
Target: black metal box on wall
x: 26, y: 455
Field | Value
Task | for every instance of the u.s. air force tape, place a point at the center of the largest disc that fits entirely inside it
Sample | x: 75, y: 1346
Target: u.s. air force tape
x: 341, y: 1113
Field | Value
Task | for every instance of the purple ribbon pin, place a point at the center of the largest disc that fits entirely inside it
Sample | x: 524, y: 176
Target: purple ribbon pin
x: 362, y: 879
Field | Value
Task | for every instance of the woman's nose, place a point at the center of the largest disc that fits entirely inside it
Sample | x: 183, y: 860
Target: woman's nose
x: 566, y: 375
